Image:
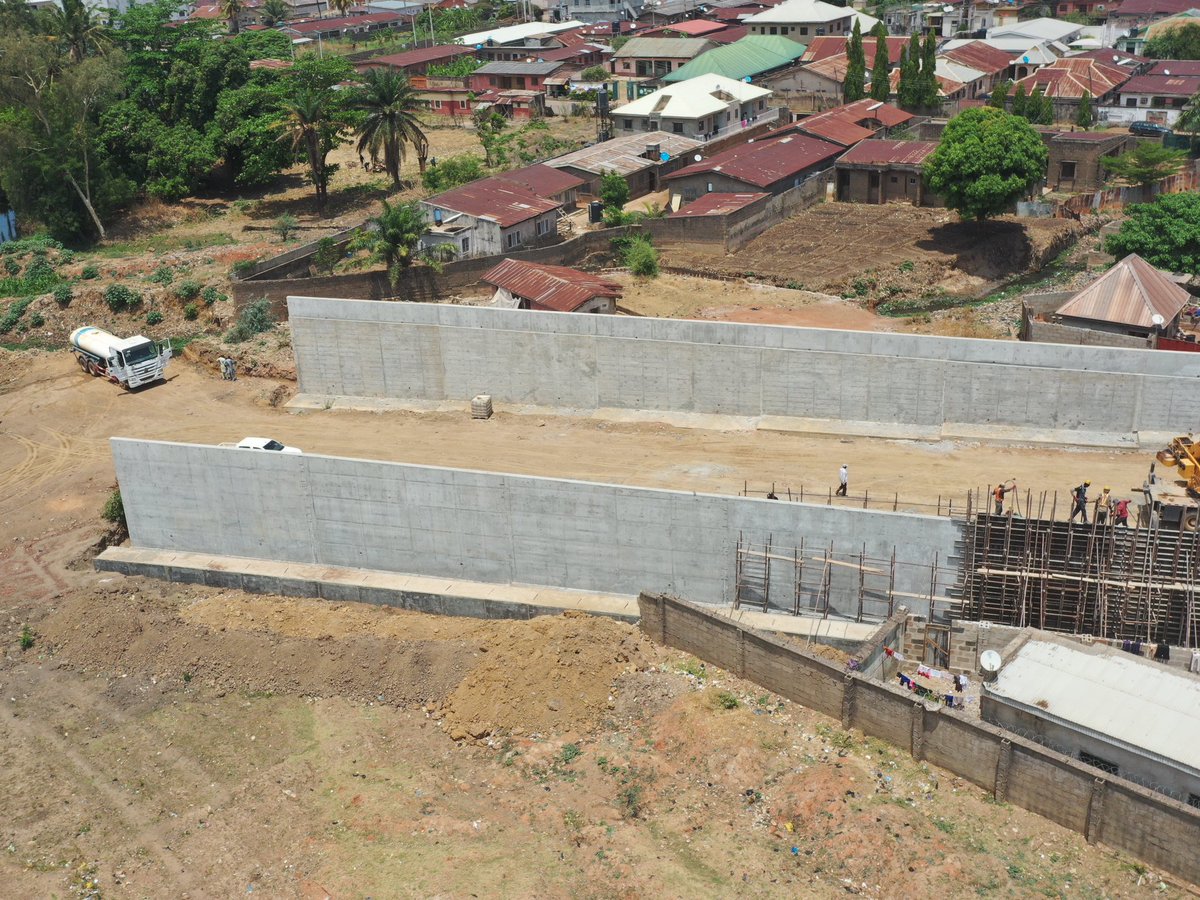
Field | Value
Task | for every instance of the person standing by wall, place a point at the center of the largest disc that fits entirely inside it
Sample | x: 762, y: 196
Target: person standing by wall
x: 843, y: 480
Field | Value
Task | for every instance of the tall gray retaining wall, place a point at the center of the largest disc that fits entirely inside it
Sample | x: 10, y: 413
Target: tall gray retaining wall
x: 1159, y: 830
x: 424, y: 352
x: 488, y: 527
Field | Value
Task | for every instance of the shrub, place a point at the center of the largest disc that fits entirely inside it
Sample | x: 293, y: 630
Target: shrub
x: 191, y: 312
x: 188, y: 290
x: 40, y: 275
x: 162, y: 275
x: 326, y: 256
x: 244, y: 267
x: 453, y: 171
x: 120, y: 298
x: 114, y: 508
x: 211, y: 295
x: 63, y: 295
x: 89, y: 272
x: 13, y: 314
x: 27, y: 637
x: 284, y: 226
x: 641, y: 258
x: 255, y: 318
x: 727, y: 700
x: 36, y: 320
x: 11, y: 266
x: 154, y: 317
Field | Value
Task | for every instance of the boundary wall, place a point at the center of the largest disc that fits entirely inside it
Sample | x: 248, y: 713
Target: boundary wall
x: 1156, y: 829
x: 488, y: 527
x: 936, y: 387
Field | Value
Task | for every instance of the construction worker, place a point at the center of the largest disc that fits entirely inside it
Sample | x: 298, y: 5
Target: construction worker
x: 221, y: 362
x: 843, y: 480
x: 1121, y: 513
x: 1103, y: 505
x: 1079, y: 496
x: 998, y: 495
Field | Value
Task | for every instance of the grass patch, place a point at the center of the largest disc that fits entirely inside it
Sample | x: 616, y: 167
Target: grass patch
x: 161, y: 243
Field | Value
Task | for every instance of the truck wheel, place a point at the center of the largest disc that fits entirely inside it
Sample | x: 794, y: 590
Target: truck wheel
x: 83, y: 363
x: 1191, y: 520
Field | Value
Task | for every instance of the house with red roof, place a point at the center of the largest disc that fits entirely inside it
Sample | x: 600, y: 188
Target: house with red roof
x: 770, y: 165
x: 416, y: 62
x: 885, y: 172
x: 529, y: 285
x: 853, y: 122
x: 1158, y: 96
x: 1066, y: 80
x: 514, y: 210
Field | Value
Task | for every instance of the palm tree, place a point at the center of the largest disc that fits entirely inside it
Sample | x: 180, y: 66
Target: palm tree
x: 78, y: 28
x: 274, y: 12
x: 392, y: 237
x: 391, y: 120
x: 306, y: 118
x: 231, y: 9
x: 341, y: 7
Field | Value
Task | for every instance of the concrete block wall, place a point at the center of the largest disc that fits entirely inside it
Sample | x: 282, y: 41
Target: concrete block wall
x: 483, y: 526
x: 1158, y: 830
x: 420, y: 352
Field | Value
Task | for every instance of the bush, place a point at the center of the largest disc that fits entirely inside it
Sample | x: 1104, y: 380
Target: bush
x: 191, y: 312
x: 63, y: 295
x: 27, y: 637
x: 13, y: 314
x: 120, y: 298
x: 36, y: 320
x: 211, y: 295
x: 188, y: 290
x: 162, y: 275
x: 90, y: 272
x: 452, y: 172
x: 255, y: 319
x: 614, y: 190
x: 114, y: 508
x: 154, y: 317
x: 641, y: 258
x: 326, y: 256
x: 285, y: 226
x: 11, y: 266
x: 244, y: 267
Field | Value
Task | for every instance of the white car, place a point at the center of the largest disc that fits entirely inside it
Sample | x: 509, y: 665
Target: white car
x: 261, y: 443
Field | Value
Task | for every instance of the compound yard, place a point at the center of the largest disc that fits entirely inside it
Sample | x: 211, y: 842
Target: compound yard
x: 169, y: 741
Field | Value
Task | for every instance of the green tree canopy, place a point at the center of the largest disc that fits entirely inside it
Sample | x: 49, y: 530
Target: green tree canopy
x: 1020, y: 102
x: 1182, y: 42
x: 452, y: 171
x: 390, y: 122
x: 1145, y: 164
x: 614, y: 190
x: 392, y: 237
x: 1084, y: 117
x: 999, y: 98
x: 986, y: 160
x: 881, y: 66
x: 910, y: 72
x: 853, y: 85
x: 927, y: 97
x: 1165, y: 233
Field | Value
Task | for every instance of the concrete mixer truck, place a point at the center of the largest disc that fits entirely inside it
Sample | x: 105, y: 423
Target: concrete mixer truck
x: 129, y: 362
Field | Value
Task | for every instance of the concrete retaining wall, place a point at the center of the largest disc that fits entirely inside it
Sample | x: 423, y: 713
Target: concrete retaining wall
x: 484, y: 526
x: 954, y: 386
x: 1162, y: 832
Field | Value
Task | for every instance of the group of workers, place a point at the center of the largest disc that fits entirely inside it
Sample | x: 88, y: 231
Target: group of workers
x: 1106, y: 504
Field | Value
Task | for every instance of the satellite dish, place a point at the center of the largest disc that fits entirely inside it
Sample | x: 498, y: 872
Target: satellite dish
x: 989, y: 661
x: 1157, y: 319
x: 1166, y: 71
x: 1024, y: 59
x: 663, y: 156
x: 747, y: 78
x: 698, y: 158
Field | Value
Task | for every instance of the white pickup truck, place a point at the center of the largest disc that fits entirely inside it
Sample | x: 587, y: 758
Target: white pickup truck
x: 261, y: 443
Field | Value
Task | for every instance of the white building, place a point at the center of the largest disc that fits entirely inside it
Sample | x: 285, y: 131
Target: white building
x: 701, y: 107
x: 804, y: 19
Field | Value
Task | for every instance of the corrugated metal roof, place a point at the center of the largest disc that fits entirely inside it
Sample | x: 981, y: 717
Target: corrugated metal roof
x: 625, y: 155
x: 692, y: 27
x: 1132, y: 701
x: 745, y: 58
x: 555, y: 288
x: 542, y: 180
x: 1163, y: 85
x: 1132, y: 292
x: 716, y: 204
x: 1175, y: 67
x: 514, y: 67
x: 894, y: 153
x: 763, y: 163
x: 979, y: 55
x: 415, y: 57
x: 1069, y: 78
x: 1152, y: 7
x: 834, y: 45
x: 801, y: 11
x: 503, y: 202
x: 662, y: 48
x: 730, y: 35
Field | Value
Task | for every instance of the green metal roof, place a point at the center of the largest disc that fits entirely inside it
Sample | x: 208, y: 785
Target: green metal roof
x: 752, y: 55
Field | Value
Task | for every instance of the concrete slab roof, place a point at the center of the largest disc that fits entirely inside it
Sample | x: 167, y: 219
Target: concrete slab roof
x: 693, y: 99
x: 1110, y: 693
x: 626, y: 154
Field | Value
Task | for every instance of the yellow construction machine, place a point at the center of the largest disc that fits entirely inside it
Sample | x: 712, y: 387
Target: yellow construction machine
x: 1174, y: 502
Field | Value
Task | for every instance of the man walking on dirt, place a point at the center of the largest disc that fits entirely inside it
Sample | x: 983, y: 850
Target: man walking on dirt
x: 843, y: 480
x: 1079, y: 495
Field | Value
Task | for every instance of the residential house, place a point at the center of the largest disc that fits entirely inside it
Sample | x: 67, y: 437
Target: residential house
x: 512, y: 76
x: 885, y: 172
x: 416, y: 62
x: 1025, y: 54
x: 528, y: 285
x: 346, y: 26
x: 854, y: 122
x: 755, y: 58
x: 943, y: 20
x: 800, y: 20
x: 507, y: 35
x: 992, y: 62
x: 1158, y: 98
x: 496, y: 214
x: 1075, y: 157
x: 515, y: 104
x: 547, y: 182
x: 445, y: 96
x: 1126, y: 25
x: 770, y: 165
x: 642, y: 159
x: 1066, y: 80
x: 825, y: 47
x: 689, y: 28
x: 703, y: 107
x: 1039, y: 29
x: 654, y: 57
x: 717, y: 204
x: 595, y: 12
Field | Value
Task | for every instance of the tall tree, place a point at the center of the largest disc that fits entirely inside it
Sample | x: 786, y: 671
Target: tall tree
x: 341, y: 7
x: 986, y: 161
x: 881, y: 66
x: 999, y: 98
x: 231, y: 10
x: 1145, y: 164
x: 906, y: 86
x: 393, y: 236
x: 1165, y: 233
x: 1039, y: 109
x: 313, y: 126
x: 1019, y: 101
x: 1182, y: 42
x: 1084, y: 117
x: 78, y: 29
x: 275, y: 12
x: 489, y: 128
x: 856, y: 66
x: 929, y: 90
x: 390, y: 121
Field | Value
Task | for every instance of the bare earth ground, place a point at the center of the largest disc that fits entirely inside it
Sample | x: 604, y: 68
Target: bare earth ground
x: 162, y: 740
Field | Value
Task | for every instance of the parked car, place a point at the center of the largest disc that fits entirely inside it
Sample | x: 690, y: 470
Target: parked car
x: 1149, y: 129
x: 260, y: 443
